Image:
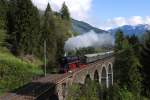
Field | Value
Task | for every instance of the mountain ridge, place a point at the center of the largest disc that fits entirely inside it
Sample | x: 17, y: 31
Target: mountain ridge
x: 83, y: 27
x: 137, y: 30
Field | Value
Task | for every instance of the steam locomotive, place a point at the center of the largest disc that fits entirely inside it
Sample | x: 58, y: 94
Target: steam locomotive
x: 69, y: 63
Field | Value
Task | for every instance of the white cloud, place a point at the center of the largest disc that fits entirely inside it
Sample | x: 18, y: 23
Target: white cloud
x: 41, y: 4
x: 119, y: 21
x: 78, y: 8
x: 147, y: 19
x: 135, y: 20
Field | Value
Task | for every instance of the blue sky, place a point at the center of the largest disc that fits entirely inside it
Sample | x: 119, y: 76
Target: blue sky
x: 104, y: 14
x: 106, y: 9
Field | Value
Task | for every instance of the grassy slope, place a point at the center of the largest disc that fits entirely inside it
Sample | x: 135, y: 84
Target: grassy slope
x: 15, y: 72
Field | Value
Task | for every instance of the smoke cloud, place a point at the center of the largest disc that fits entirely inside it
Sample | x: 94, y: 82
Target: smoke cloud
x: 90, y: 39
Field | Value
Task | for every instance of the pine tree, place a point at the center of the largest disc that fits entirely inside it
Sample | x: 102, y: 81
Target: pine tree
x: 22, y: 26
x: 61, y: 38
x: 120, y: 66
x: 145, y: 60
x: 48, y: 25
x: 66, y: 21
x: 63, y: 30
x: 127, y: 67
x: 49, y: 35
x: 134, y: 74
x: 135, y: 43
x: 65, y: 12
x: 55, y: 31
x: 12, y: 36
x: 27, y: 14
x: 34, y: 32
x: 3, y: 10
x: 118, y: 40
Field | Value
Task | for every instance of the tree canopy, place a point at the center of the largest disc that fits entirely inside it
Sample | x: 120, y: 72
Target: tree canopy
x: 145, y: 60
x: 127, y: 65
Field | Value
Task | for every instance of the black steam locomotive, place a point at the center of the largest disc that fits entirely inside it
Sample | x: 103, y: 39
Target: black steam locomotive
x: 69, y: 63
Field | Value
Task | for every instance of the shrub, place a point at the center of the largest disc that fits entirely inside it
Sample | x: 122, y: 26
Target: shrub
x: 15, y: 72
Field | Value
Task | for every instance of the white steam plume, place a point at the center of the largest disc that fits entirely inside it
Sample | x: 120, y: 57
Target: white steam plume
x: 90, y: 39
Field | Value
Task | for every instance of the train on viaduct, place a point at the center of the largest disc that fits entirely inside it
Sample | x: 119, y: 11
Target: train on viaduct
x: 54, y: 86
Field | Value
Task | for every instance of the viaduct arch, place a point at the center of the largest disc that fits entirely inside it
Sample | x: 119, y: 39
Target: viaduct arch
x: 101, y: 71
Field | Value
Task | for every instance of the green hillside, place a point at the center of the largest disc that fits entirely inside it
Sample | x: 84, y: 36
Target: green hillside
x: 15, y: 72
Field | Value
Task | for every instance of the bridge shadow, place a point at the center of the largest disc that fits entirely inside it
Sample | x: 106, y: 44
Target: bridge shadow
x: 38, y: 90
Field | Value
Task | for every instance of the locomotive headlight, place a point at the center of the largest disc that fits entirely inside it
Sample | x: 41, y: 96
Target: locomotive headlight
x: 70, y: 71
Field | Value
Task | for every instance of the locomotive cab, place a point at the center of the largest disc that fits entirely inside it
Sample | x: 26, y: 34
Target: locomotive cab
x: 69, y: 63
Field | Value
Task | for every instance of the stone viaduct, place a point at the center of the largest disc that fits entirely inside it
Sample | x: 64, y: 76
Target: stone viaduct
x: 100, y: 71
x: 53, y: 87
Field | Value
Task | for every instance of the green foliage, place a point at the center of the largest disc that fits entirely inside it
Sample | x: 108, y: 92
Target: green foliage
x: 145, y: 60
x: 2, y: 37
x: 3, y: 10
x: 135, y: 75
x: 55, y: 31
x: 49, y: 35
x: 118, y: 40
x: 118, y: 93
x: 135, y: 43
x: 15, y: 72
x: 94, y: 91
x: 124, y: 94
x: 127, y: 67
x: 27, y: 32
x: 73, y: 92
x: 22, y: 26
x: 65, y: 12
x: 11, y: 26
x: 76, y: 33
x: 83, y: 92
x: 125, y: 44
